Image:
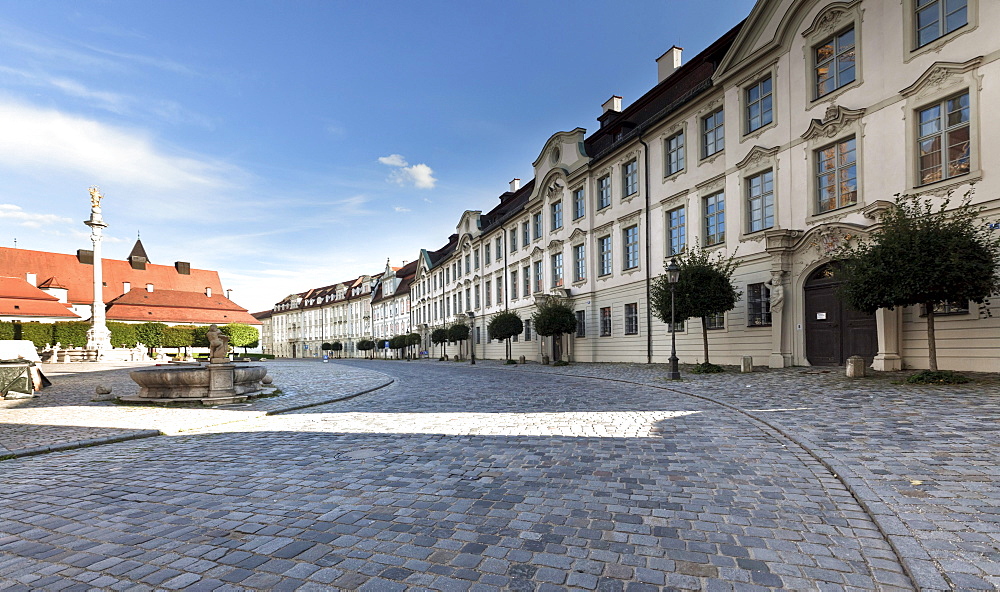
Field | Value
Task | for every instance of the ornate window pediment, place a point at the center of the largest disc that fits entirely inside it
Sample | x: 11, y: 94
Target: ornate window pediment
x: 536, y: 252
x: 555, y: 245
x: 940, y: 75
x: 756, y: 156
x: 714, y: 184
x: 834, y: 16
x: 834, y: 121
x: 577, y: 234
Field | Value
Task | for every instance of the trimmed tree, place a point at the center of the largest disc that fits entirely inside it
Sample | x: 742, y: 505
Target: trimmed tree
x: 412, y: 339
x: 440, y: 337
x: 122, y: 334
x: 240, y: 335
x: 150, y: 335
x: 366, y: 345
x: 178, y: 336
x: 704, y: 289
x: 922, y: 254
x: 504, y: 325
x: 337, y: 347
x: 554, y: 318
x: 458, y: 333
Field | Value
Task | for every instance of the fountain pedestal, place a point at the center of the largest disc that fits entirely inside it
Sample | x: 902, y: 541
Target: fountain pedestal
x: 213, y: 384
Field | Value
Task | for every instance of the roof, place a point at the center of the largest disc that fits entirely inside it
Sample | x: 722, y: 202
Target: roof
x: 264, y: 314
x: 176, y: 306
x: 78, y: 277
x: 138, y: 251
x: 19, y: 298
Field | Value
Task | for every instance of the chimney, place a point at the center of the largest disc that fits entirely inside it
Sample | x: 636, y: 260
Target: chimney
x: 208, y: 291
x: 182, y: 267
x: 515, y: 184
x: 613, y: 104
x: 667, y: 63
x: 85, y: 256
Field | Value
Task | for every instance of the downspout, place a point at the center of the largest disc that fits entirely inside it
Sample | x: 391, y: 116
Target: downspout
x: 649, y: 263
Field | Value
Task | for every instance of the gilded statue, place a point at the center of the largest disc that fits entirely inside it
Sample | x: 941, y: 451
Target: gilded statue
x: 95, y: 197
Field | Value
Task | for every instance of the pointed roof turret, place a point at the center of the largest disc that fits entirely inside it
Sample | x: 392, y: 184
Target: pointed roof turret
x: 138, y: 251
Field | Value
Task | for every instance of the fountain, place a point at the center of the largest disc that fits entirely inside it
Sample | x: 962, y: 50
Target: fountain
x: 220, y: 382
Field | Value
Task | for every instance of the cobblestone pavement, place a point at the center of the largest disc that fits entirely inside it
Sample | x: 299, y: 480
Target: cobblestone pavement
x: 63, y: 415
x: 452, y: 478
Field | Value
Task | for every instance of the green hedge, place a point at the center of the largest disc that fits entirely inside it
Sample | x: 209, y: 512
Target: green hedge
x: 38, y: 333
x: 122, y: 335
x: 70, y: 333
x: 6, y: 330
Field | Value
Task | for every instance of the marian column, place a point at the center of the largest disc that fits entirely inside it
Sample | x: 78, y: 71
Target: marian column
x: 98, y: 337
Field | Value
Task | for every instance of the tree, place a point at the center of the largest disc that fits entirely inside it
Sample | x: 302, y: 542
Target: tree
x: 704, y: 289
x: 926, y: 255
x: 199, y: 336
x: 70, y: 333
x: 122, y: 334
x: 240, y: 335
x: 150, y: 335
x: 178, y: 336
x: 554, y: 318
x: 458, y: 333
x: 440, y: 336
x: 411, y: 340
x: 366, y: 345
x: 337, y: 347
x: 504, y: 325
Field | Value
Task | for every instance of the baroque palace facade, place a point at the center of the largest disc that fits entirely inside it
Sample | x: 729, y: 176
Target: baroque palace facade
x: 779, y: 142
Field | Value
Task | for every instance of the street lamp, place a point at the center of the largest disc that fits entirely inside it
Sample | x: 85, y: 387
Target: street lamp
x: 673, y: 274
x: 472, y: 338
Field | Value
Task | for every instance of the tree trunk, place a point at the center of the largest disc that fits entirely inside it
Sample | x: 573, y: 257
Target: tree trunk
x: 557, y: 347
x: 931, y: 345
x: 704, y: 336
x: 507, y: 348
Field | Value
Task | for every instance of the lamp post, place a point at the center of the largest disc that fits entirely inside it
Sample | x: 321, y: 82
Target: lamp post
x: 673, y: 274
x: 472, y: 337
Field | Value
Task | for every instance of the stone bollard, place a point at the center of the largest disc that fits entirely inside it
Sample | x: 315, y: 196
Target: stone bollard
x: 855, y: 367
x: 521, y: 360
x: 746, y: 365
x: 545, y: 359
x: 102, y: 393
x: 267, y: 380
x: 456, y: 357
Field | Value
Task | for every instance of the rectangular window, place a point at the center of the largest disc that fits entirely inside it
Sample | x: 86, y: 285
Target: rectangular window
x: 758, y: 101
x: 557, y: 270
x: 674, y: 150
x: 475, y: 259
x: 499, y: 248
x: 477, y: 335
x: 632, y: 319
x: 937, y: 18
x: 499, y: 291
x: 760, y: 201
x: 630, y: 177
x: 603, y: 192
x: 486, y: 254
x: 557, y: 215
x: 526, y: 280
x: 581, y: 323
x: 758, y: 305
x: 606, y: 321
x: 526, y: 232
x: 538, y: 276
x: 835, y: 59
x: 476, y: 292
x: 513, y: 241
x: 837, y: 176
x: 579, y: 263
x: 604, y: 248
x: 943, y: 139
x: 527, y: 329
x: 676, y: 231
x: 630, y: 240
x: 947, y: 308
x: 447, y: 275
x: 468, y: 263
x: 713, y: 133
x: 536, y: 222
x: 678, y: 326
x: 447, y: 309
x: 513, y: 285
x: 715, y: 219
x: 488, y: 293
x: 468, y: 299
x: 579, y: 204
x: 716, y: 321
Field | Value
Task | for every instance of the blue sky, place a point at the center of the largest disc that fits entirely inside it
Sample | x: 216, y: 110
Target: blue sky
x: 294, y: 144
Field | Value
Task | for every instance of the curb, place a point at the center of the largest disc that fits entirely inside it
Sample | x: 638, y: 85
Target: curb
x: 328, y: 401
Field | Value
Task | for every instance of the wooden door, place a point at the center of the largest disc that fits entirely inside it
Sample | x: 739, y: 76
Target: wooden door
x: 834, y: 332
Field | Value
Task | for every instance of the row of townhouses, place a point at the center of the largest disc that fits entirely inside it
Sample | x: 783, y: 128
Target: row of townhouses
x: 778, y: 142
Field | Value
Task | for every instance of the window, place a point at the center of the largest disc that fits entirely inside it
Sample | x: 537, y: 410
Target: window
x: 715, y: 219
x: 468, y: 299
x: 947, y: 308
x: 943, y: 139
x: 630, y: 177
x: 716, y: 321
x: 447, y: 310
x: 536, y: 222
x: 676, y: 232
x: 476, y: 291
x: 499, y: 291
x: 468, y: 262
x: 758, y: 101
x: 678, y: 326
x: 606, y: 321
x: 538, y: 276
x: 674, y: 150
x: 758, y: 305
x: 632, y: 319
x: 475, y: 259
x: 837, y: 176
x: 713, y: 134
x: 486, y: 253
x: 513, y: 242
x: 760, y: 201
x: 447, y: 275
x: 488, y: 293
x: 604, y: 248
x: 937, y: 18
x: 579, y: 204
x: 581, y: 323
x: 525, y: 232
x: 499, y: 248
x: 557, y: 270
x: 513, y: 285
x: 557, y: 215
x: 527, y: 329
x: 477, y: 336
x: 579, y: 263
x: 526, y: 280
x: 835, y: 63
x: 603, y: 192
x: 630, y: 239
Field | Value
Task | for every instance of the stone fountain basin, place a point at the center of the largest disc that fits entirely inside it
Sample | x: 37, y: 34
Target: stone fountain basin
x: 193, y: 382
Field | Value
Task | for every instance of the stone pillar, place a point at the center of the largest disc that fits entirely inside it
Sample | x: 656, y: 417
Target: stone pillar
x: 855, y: 367
x: 888, y: 324
x: 746, y: 364
x: 98, y: 337
x: 781, y: 324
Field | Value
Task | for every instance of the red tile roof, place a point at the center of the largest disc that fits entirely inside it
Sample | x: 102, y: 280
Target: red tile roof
x: 21, y: 299
x: 177, y: 307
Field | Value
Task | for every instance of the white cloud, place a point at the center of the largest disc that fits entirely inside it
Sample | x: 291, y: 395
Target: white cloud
x: 402, y: 209
x: 420, y: 176
x: 17, y: 215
